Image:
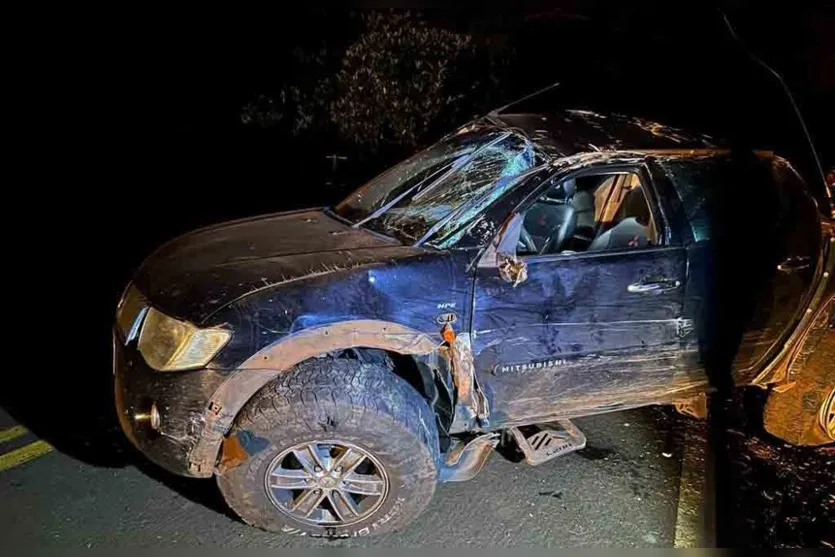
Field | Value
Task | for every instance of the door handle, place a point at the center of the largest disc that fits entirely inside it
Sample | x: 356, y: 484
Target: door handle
x: 657, y: 286
x: 794, y: 263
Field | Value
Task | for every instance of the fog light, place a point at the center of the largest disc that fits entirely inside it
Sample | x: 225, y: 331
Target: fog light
x: 152, y: 417
x: 155, y: 420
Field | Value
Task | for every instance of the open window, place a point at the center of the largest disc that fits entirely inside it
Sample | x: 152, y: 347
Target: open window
x: 591, y: 212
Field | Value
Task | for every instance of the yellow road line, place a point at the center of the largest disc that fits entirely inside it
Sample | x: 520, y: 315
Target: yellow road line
x: 12, y: 433
x: 24, y: 454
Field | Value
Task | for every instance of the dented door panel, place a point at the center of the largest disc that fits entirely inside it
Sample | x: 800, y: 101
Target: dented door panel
x: 577, y: 334
x: 413, y: 289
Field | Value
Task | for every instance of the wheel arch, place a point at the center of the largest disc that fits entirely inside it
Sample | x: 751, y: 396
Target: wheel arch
x: 268, y: 363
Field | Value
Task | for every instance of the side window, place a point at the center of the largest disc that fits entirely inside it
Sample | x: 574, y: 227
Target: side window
x: 589, y: 213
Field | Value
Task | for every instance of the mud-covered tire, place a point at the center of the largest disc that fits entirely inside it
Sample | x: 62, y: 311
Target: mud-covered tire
x: 362, y: 404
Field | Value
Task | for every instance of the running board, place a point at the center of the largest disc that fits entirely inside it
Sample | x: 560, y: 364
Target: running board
x: 543, y: 442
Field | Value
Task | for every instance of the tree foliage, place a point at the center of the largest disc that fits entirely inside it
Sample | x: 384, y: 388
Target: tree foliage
x: 397, y: 82
x: 393, y: 80
x: 300, y: 102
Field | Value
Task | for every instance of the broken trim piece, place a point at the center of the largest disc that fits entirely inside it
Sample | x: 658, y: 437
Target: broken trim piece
x: 695, y: 407
x: 471, y: 404
x: 466, y: 460
x: 513, y: 270
x: 268, y: 363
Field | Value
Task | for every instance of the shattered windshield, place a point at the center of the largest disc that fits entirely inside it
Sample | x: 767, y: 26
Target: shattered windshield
x: 424, y: 192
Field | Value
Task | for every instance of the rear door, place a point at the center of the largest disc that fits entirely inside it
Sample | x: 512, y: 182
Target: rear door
x: 757, y: 244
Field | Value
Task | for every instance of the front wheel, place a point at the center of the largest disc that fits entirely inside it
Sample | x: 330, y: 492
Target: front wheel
x: 334, y: 447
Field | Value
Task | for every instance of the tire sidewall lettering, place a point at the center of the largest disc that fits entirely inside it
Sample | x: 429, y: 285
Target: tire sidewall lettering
x: 362, y: 532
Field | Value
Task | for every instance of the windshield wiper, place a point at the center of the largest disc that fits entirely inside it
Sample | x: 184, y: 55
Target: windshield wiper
x: 457, y: 165
x: 460, y: 163
x: 394, y: 201
x: 334, y: 215
x: 500, y: 185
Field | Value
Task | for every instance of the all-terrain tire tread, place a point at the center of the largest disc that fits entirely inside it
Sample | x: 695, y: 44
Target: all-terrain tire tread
x: 345, y: 398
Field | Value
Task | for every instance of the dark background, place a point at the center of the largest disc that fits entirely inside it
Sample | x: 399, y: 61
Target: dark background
x: 150, y: 123
x: 198, y: 117
x: 207, y: 117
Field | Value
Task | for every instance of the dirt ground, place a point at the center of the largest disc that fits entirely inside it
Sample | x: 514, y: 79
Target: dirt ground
x: 777, y: 495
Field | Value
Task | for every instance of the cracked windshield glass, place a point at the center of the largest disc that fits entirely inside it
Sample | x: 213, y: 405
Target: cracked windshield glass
x: 430, y: 189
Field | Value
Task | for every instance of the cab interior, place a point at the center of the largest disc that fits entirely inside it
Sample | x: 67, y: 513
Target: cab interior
x: 589, y: 213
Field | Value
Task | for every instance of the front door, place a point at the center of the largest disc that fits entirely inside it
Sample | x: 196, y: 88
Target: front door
x: 598, y: 322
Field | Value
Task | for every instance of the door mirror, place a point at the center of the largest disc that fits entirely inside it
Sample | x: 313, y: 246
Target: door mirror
x: 512, y: 269
x: 501, y: 252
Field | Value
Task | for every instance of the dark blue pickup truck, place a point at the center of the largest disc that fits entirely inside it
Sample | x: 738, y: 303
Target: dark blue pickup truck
x: 331, y: 366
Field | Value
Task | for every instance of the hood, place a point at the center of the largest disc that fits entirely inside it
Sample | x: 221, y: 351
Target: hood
x: 202, y: 271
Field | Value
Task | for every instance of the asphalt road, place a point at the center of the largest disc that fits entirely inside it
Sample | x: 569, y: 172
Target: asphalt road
x: 622, y: 490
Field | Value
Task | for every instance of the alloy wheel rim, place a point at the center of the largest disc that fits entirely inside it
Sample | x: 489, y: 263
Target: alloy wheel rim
x: 326, y: 483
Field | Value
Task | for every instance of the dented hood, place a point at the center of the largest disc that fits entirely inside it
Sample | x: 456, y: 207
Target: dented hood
x: 202, y: 271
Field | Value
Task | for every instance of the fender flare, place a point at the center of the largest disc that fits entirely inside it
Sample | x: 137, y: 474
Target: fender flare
x: 269, y: 362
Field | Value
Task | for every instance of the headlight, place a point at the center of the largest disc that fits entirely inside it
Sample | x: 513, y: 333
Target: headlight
x: 168, y: 344
x: 129, y: 312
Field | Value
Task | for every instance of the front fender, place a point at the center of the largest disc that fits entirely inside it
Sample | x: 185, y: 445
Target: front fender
x: 266, y: 364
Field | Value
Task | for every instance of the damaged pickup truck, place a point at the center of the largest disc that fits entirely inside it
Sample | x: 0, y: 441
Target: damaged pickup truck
x: 331, y: 366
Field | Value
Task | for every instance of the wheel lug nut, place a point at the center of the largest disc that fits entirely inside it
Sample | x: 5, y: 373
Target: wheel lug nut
x: 317, y: 468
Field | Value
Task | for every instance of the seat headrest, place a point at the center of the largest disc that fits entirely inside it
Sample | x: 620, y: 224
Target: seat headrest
x: 583, y: 201
x: 635, y: 205
x: 569, y: 187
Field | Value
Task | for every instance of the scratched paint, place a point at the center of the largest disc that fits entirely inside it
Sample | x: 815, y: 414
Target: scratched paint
x: 578, y: 311
x: 571, y: 132
x: 270, y: 279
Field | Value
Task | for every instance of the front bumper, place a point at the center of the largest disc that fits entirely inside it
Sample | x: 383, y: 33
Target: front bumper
x: 180, y: 398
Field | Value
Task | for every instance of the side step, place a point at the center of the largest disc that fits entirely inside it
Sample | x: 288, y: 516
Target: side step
x: 543, y: 442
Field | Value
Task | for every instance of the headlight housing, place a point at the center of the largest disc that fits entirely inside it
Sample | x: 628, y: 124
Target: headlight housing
x: 129, y: 312
x: 168, y: 344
